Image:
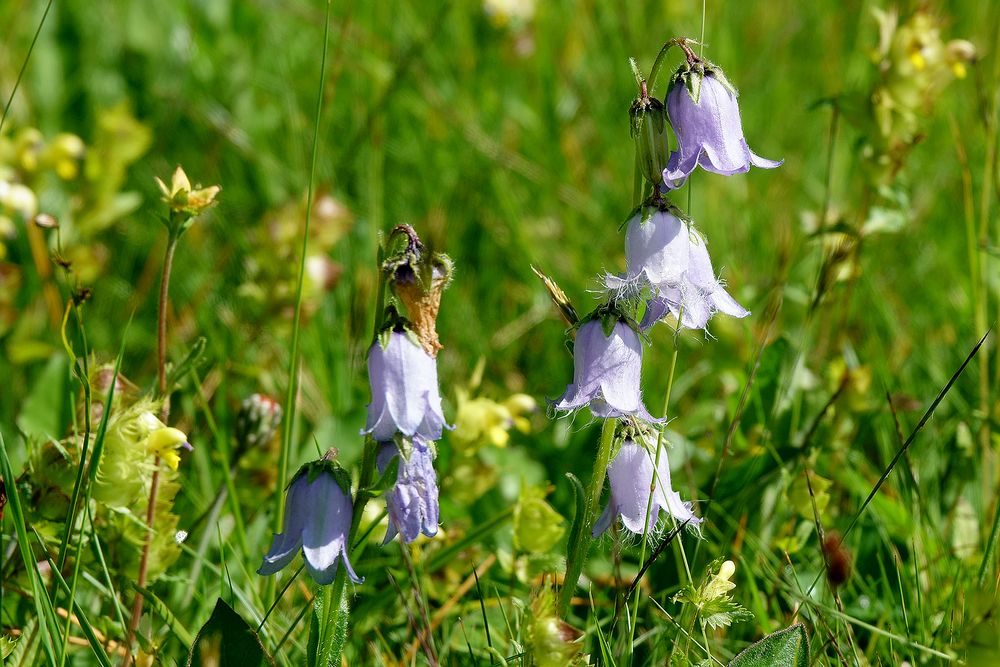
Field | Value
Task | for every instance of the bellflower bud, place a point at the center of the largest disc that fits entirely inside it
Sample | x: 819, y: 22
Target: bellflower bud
x: 413, y: 500
x: 404, y: 385
x: 318, y: 513
x: 631, y: 478
x: 705, y: 116
x: 649, y: 131
x: 606, y: 372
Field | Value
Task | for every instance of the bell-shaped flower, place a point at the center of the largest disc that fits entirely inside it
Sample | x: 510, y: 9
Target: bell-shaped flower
x: 318, y: 514
x: 606, y: 372
x: 670, y: 257
x: 706, y: 119
x: 404, y: 385
x: 413, y: 500
x: 631, y: 476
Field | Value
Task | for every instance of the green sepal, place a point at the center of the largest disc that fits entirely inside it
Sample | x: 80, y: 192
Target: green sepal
x: 325, y: 465
x: 610, y: 314
x: 386, y: 481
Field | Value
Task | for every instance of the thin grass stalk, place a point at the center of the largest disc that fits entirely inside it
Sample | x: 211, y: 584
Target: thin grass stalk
x: 87, y: 426
x: 291, y: 397
x: 577, y: 552
x: 653, y: 484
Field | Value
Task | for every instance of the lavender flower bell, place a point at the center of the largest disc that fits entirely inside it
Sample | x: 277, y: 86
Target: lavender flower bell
x: 606, y: 372
x: 705, y: 116
x: 413, y: 501
x: 404, y: 385
x: 631, y: 475
x: 672, y: 258
x: 318, y: 513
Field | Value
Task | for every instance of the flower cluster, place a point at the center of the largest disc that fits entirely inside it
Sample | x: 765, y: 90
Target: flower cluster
x: 669, y: 276
x: 404, y: 421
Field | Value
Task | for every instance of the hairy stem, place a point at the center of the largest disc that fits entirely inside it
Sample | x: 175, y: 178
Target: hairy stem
x: 577, y: 552
x: 154, y: 486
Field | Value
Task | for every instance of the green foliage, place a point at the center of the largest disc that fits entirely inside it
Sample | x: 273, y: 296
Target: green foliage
x: 227, y: 640
x: 784, y: 648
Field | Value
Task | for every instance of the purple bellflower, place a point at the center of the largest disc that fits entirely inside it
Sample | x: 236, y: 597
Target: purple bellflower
x: 631, y: 475
x: 670, y: 257
x: 413, y: 500
x: 318, y: 514
x: 405, y: 394
x: 606, y: 372
x: 706, y: 119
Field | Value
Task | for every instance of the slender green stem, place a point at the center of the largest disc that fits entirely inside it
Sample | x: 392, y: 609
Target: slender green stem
x: 658, y: 63
x: 653, y: 484
x: 333, y: 594
x: 293, y: 351
x: 154, y: 486
x: 84, y: 370
x: 577, y: 552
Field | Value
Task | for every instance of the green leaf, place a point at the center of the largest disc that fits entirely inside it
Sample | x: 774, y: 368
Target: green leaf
x: 42, y: 412
x: 227, y: 640
x: 7, y: 646
x: 722, y: 612
x: 784, y: 648
x: 189, y: 363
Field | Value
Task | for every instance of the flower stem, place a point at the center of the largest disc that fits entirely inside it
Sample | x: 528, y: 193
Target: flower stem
x: 658, y: 63
x: 577, y: 552
x: 333, y: 595
x: 154, y: 486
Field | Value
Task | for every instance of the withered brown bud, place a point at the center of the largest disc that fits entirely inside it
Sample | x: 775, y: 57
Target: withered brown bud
x: 418, y: 278
x: 838, y: 559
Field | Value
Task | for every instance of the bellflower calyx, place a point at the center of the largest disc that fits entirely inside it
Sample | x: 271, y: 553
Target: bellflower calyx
x: 705, y: 116
x: 413, y: 500
x: 631, y: 476
x: 607, y: 364
x: 318, y: 514
x: 404, y: 386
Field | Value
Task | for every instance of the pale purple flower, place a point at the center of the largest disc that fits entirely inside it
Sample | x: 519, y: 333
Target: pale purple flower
x: 413, y: 500
x: 706, y: 119
x: 405, y: 394
x: 606, y: 372
x: 630, y: 476
x: 669, y: 256
x: 318, y: 513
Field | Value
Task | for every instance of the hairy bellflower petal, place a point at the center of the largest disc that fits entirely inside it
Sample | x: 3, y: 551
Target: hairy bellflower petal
x: 672, y: 258
x: 405, y: 394
x: 709, y: 131
x: 630, y: 476
x: 318, y: 517
x: 606, y: 372
x: 413, y: 500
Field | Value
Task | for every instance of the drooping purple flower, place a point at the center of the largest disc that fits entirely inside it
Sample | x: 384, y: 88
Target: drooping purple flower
x: 405, y: 394
x: 670, y: 257
x: 706, y: 119
x: 318, y: 521
x: 606, y: 372
x: 631, y: 475
x: 413, y: 501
